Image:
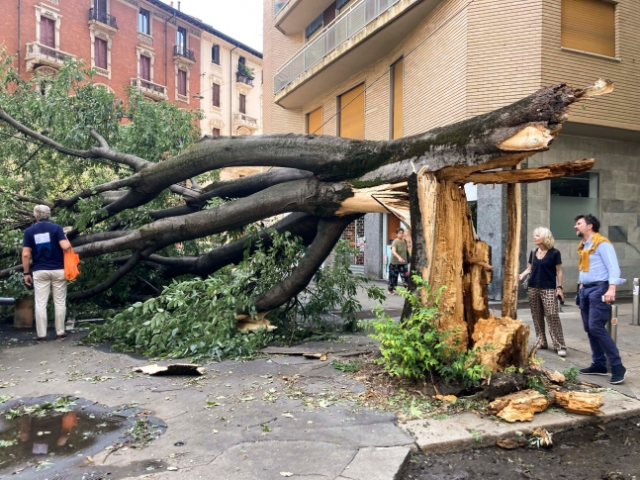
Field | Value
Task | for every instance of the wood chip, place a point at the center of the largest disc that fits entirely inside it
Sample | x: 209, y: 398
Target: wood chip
x: 519, y: 406
x: 511, y: 443
x: 581, y: 403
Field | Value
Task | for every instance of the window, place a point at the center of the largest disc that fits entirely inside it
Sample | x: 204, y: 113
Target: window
x: 351, y: 116
x: 314, y: 122
x: 182, y: 83
x: 101, y: 48
x: 572, y: 196
x: 589, y: 25
x: 144, y: 24
x: 215, y: 54
x: 314, y: 26
x: 396, y: 99
x: 215, y: 95
x: 243, y: 103
x: 215, y: 132
x: 181, y: 39
x: 242, y: 60
x: 48, y: 32
x: 145, y: 68
x: 100, y: 7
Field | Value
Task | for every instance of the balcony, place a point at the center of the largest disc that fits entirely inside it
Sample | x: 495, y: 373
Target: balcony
x: 245, y: 79
x: 150, y: 89
x: 362, y: 35
x: 242, y: 120
x: 38, y: 55
x: 294, y: 15
x: 183, y: 54
x: 103, y: 18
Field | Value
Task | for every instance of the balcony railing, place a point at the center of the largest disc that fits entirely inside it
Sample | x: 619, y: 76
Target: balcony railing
x: 103, y: 17
x: 183, y: 51
x: 150, y: 89
x: 342, y: 29
x: 278, y: 6
x: 38, y: 54
x: 241, y: 118
x: 242, y: 78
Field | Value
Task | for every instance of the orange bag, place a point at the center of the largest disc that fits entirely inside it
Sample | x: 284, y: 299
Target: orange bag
x: 71, y: 261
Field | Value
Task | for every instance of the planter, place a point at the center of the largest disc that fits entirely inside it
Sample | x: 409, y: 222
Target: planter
x: 23, y: 314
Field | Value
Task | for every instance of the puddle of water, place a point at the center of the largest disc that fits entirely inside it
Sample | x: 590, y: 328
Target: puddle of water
x: 56, y: 434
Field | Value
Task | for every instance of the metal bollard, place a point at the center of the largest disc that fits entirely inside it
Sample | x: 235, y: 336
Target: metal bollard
x: 7, y: 301
x: 612, y: 324
x: 635, y: 318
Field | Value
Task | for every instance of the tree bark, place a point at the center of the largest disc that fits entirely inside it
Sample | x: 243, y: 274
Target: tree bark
x: 512, y: 256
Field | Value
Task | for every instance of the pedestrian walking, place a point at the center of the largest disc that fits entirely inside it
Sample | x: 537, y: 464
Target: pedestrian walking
x: 43, y: 267
x: 544, y: 285
x: 398, y: 262
x: 599, y: 275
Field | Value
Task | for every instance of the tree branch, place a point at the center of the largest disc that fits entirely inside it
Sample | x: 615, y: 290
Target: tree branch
x: 530, y: 175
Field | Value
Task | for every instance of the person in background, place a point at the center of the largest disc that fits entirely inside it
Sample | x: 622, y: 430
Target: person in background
x: 599, y: 275
x: 43, y: 268
x: 398, y: 262
x: 545, y: 284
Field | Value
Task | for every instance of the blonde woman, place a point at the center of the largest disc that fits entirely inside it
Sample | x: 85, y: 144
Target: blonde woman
x: 545, y: 283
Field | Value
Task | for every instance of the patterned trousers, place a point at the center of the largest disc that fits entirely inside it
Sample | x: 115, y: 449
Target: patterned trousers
x: 542, y: 302
x: 394, y: 271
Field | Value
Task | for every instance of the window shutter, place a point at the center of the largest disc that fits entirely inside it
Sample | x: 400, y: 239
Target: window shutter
x: 590, y: 26
x: 314, y: 122
x: 182, y: 82
x: 313, y: 26
x: 216, y: 132
x: 215, y: 94
x: 48, y: 32
x: 352, y: 113
x: 397, y: 98
x: 100, y: 48
x: 145, y: 68
x: 243, y: 103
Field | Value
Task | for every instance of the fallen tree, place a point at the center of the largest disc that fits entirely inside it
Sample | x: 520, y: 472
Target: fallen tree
x: 326, y: 182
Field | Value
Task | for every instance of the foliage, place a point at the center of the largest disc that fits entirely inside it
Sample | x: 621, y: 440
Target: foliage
x: 246, y: 71
x: 197, y: 318
x: 571, y: 374
x: 347, y: 367
x: 61, y: 404
x: 13, y: 286
x: 66, y: 107
x: 414, y: 347
x: 536, y: 383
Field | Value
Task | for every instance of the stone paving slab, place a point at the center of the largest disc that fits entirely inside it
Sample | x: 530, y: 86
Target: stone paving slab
x: 467, y: 431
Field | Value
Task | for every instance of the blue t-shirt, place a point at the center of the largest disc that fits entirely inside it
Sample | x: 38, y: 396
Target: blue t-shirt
x: 43, y: 239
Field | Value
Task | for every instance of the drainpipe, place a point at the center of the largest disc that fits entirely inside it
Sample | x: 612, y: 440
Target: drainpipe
x: 19, y: 39
x: 231, y: 91
x: 166, y: 52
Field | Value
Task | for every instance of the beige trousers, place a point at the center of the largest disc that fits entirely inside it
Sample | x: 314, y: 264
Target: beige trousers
x: 43, y: 282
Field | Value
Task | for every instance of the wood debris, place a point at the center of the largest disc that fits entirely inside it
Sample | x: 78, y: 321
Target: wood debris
x: 581, y: 403
x: 542, y: 438
x: 519, y: 406
x: 511, y: 443
x: 555, y: 377
x: 446, y: 398
x: 172, y: 369
x: 501, y: 342
x: 322, y: 356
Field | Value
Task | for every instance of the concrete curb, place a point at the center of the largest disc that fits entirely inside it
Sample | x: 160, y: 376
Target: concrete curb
x: 468, y: 431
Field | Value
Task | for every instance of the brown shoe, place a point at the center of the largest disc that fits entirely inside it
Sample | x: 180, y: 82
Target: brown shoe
x: 61, y: 337
x: 41, y: 339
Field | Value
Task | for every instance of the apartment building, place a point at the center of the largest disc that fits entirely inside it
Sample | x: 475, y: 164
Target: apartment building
x: 230, y: 91
x: 383, y: 69
x: 144, y: 43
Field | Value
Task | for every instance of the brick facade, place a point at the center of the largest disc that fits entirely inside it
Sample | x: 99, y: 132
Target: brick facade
x: 75, y: 33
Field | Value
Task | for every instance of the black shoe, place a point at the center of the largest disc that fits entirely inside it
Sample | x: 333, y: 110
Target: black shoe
x: 594, y: 370
x: 617, y: 374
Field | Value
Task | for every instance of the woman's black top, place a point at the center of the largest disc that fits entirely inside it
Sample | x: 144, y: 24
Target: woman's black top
x: 543, y: 272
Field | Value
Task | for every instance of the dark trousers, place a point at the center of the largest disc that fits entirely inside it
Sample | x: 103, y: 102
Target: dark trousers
x: 595, y: 315
x: 394, y: 271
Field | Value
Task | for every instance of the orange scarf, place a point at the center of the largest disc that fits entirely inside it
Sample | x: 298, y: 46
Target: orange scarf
x: 596, y: 240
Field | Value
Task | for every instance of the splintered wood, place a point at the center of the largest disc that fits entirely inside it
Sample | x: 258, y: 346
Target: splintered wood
x: 501, y: 342
x: 580, y: 402
x: 519, y: 406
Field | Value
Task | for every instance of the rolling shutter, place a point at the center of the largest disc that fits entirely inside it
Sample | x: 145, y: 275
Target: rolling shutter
x: 48, y: 32
x: 589, y: 25
x: 100, y: 50
x: 352, y: 113
x: 145, y: 68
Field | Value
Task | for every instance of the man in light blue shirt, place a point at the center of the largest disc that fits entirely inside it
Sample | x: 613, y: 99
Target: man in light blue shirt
x: 599, y: 275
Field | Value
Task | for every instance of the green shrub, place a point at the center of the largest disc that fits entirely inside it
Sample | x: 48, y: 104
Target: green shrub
x: 571, y: 374
x: 415, y: 348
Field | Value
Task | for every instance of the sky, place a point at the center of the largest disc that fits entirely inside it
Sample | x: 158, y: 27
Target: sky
x: 239, y: 19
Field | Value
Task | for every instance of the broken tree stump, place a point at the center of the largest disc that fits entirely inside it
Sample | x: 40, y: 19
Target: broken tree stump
x: 581, y: 403
x: 519, y: 406
x: 501, y: 342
